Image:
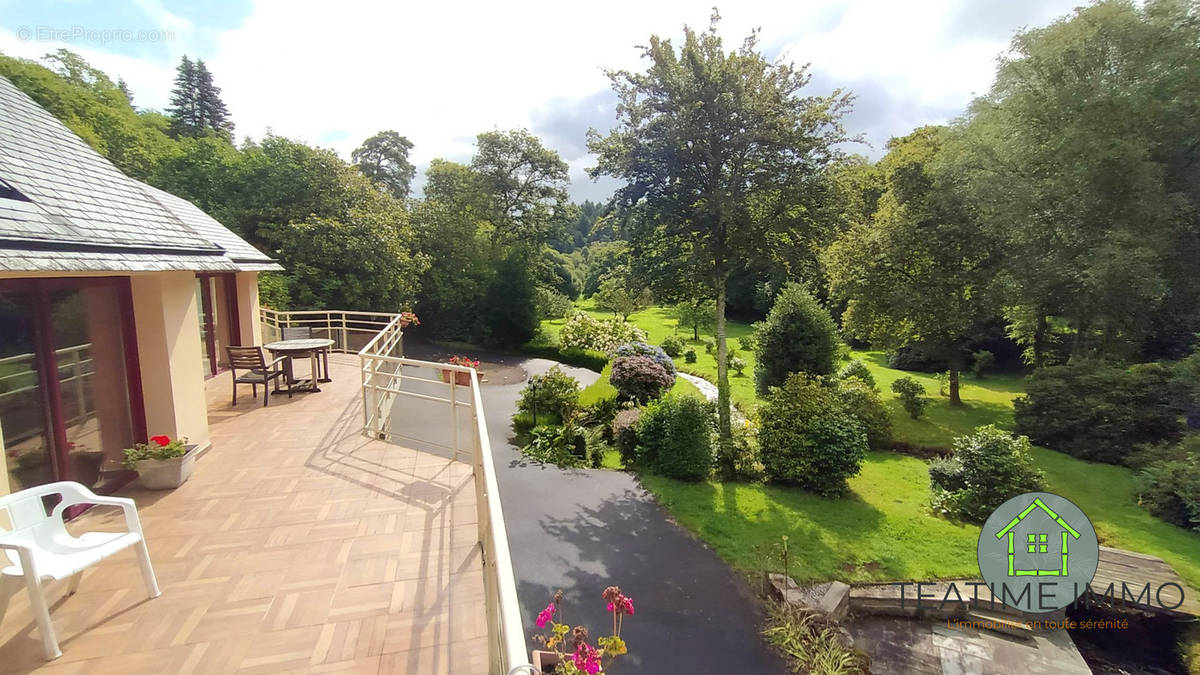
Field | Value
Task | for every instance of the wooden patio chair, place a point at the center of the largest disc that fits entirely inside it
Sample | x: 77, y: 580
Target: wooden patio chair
x: 253, y: 360
x: 295, y: 333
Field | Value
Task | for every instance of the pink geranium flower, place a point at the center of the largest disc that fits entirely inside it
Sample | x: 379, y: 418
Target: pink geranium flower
x: 546, y: 615
x: 587, y: 659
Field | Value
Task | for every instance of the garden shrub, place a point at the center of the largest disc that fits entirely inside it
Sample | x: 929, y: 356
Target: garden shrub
x: 551, y: 304
x: 862, y: 400
x: 689, y: 356
x: 807, y: 436
x: 563, y: 445
x: 1169, y: 487
x: 742, y: 461
x: 1098, y: 411
x: 859, y: 370
x: 676, y: 437
x: 710, y: 346
x: 798, y: 336
x: 981, y: 362
x: 673, y: 346
x: 988, y: 467
x: 624, y: 433
x: 639, y: 378
x: 746, y: 343
x: 650, y: 351
x: 551, y: 393
x: 912, y: 396
x: 601, y: 412
x: 915, y: 358
x: 582, y: 331
x: 736, y: 364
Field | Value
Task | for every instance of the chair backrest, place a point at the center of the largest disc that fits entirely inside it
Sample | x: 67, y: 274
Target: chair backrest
x: 29, y: 521
x: 296, y: 332
x: 246, y: 358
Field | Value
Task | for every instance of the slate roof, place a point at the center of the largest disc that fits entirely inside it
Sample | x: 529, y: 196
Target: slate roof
x: 64, y: 207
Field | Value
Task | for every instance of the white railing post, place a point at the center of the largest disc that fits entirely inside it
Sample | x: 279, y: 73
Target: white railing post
x: 454, y: 409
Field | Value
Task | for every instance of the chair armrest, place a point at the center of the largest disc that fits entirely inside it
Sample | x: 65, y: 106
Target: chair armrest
x: 127, y: 506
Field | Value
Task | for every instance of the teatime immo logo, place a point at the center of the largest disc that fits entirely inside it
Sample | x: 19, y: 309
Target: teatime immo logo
x: 1038, y: 552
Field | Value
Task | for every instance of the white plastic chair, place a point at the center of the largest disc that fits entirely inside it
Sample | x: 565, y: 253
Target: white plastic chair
x: 39, y: 547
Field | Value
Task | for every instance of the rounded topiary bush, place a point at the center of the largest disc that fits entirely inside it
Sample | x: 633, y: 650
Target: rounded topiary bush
x: 859, y: 370
x: 862, y: 400
x: 988, y: 467
x: 673, y: 346
x: 912, y: 396
x: 658, y: 354
x: 675, y: 437
x: 798, y: 336
x: 689, y: 356
x: 639, y: 378
x: 809, y: 438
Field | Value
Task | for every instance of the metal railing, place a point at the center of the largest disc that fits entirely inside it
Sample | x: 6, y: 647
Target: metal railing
x: 383, y: 374
x: 349, y: 330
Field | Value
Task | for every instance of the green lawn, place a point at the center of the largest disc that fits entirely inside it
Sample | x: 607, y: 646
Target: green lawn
x: 658, y: 324
x: 883, y: 531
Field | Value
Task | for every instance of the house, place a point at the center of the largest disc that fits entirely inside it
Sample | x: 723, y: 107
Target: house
x: 116, y: 302
x: 1037, y: 542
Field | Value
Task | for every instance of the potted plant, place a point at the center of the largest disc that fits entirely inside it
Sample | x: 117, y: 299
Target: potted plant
x: 163, y: 463
x: 459, y: 376
x: 567, y: 651
x: 409, y: 319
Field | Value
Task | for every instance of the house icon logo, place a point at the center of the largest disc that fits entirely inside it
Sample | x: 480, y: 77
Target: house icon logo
x: 1038, y: 552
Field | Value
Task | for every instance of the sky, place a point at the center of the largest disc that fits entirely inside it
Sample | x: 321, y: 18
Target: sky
x: 335, y: 73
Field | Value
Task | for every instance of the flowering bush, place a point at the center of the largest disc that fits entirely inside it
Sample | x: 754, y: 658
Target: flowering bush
x: 575, y: 655
x: 658, y: 354
x: 159, y: 447
x: 463, y: 361
x: 409, y: 319
x: 583, y: 331
x: 640, y: 378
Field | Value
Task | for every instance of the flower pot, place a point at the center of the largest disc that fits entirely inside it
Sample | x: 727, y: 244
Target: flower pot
x: 459, y: 377
x: 544, y: 661
x: 167, y: 474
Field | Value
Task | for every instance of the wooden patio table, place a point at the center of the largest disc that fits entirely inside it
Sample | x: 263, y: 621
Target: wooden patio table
x: 314, y: 349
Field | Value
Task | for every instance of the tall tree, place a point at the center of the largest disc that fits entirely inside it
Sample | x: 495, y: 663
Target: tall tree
x: 384, y: 159
x: 921, y: 270
x: 718, y: 152
x: 1084, y: 156
x: 214, y: 116
x: 196, y: 107
x: 184, y: 109
x: 527, y: 183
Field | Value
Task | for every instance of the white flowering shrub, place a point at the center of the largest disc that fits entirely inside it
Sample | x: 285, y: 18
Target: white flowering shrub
x: 583, y: 331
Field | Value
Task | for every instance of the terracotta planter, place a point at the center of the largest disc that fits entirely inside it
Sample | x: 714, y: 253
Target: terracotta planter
x: 167, y: 474
x: 544, y: 661
x: 459, y: 377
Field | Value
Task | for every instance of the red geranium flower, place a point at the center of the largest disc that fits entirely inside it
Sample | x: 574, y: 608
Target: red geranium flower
x: 161, y: 441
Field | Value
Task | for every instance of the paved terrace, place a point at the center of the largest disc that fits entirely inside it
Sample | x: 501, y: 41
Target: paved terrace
x: 298, y: 545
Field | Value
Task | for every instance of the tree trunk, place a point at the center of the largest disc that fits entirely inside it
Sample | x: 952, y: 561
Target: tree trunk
x: 696, y: 332
x: 724, y: 428
x: 1039, y: 341
x: 954, y: 397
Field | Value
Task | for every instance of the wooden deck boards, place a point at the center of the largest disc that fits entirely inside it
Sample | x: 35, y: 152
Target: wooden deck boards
x: 298, y: 545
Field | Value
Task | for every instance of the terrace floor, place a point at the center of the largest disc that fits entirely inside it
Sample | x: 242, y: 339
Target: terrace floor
x: 298, y: 545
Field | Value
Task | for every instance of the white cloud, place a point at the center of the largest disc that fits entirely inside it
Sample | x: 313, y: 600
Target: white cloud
x: 441, y: 72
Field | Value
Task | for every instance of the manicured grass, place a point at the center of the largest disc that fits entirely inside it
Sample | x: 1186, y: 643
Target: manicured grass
x: 986, y: 401
x: 883, y: 530
x: 658, y: 324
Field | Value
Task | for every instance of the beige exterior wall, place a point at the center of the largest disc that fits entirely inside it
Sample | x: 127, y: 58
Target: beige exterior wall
x: 167, y: 320
x: 247, y: 295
